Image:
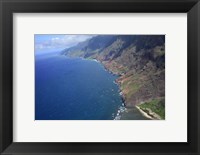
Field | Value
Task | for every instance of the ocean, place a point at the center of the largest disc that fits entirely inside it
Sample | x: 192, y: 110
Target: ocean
x: 75, y: 89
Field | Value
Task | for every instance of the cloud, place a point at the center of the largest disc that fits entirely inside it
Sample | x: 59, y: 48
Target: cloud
x: 56, y: 42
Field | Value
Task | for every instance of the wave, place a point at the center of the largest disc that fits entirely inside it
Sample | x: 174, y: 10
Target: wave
x: 119, y: 112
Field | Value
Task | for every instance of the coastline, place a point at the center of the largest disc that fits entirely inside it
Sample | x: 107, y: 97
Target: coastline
x: 149, y: 114
x: 124, y: 105
x: 145, y: 114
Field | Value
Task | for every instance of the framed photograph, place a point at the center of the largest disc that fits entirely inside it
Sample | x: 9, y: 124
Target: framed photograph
x: 104, y: 77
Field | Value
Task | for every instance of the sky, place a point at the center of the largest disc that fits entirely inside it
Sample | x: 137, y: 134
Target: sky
x: 57, y: 42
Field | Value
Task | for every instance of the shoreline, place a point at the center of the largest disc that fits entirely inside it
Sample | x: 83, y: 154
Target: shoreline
x: 117, y: 117
x: 144, y: 113
x: 122, y: 108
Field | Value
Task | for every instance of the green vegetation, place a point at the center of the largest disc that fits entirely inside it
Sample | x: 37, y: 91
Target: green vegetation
x: 156, y: 105
x: 132, y: 88
x: 124, y: 84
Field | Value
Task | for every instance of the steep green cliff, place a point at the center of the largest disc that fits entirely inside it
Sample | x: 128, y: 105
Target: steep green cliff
x: 138, y: 59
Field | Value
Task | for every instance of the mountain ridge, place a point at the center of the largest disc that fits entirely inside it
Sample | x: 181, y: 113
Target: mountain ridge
x: 139, y: 60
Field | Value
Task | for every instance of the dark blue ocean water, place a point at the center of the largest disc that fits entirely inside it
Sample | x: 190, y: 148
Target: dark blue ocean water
x: 74, y: 89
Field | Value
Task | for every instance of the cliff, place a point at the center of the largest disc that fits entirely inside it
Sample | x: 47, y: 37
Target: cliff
x: 138, y: 59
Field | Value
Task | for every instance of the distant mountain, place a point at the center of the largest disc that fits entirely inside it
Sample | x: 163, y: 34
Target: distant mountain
x: 138, y: 59
x: 89, y: 47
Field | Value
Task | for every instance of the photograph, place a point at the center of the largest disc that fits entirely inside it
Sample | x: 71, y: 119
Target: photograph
x: 99, y: 76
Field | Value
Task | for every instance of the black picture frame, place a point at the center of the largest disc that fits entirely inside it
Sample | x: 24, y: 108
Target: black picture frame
x: 8, y: 7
